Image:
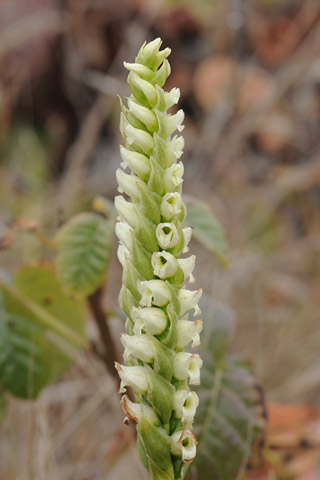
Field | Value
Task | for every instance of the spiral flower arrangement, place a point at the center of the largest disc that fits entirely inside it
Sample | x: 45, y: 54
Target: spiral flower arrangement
x: 153, y: 295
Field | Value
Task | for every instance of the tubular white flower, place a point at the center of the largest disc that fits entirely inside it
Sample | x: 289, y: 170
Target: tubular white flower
x: 134, y: 410
x: 154, y: 292
x: 184, y: 444
x: 187, y: 265
x: 143, y: 71
x: 171, y: 205
x: 143, y: 114
x: 172, y: 98
x: 129, y: 184
x: 139, y: 138
x: 173, y: 176
x: 187, y: 365
x: 167, y: 235
x: 189, y: 300
x: 146, y: 88
x: 187, y: 234
x: 164, y: 264
x: 126, y: 210
x: 188, y: 332
x: 124, y: 234
x: 140, y: 346
x: 136, y: 377
x: 152, y: 320
x: 123, y: 255
x: 139, y: 163
x: 174, y: 122
x: 185, y: 404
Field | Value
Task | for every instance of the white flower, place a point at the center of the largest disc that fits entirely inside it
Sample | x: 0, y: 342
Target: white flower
x: 124, y: 234
x: 143, y: 114
x: 173, y: 176
x: 140, y: 69
x: 188, y: 332
x: 184, y: 445
x: 185, y: 404
x: 154, y: 292
x: 139, y: 138
x: 123, y: 255
x: 164, y: 264
x: 171, y: 205
x: 187, y: 265
x: 134, y: 410
x: 187, y: 365
x: 152, y: 320
x: 139, y: 163
x: 129, y: 184
x: 126, y: 210
x: 147, y: 89
x: 140, y: 346
x: 172, y: 98
x: 174, y: 122
x: 187, y: 234
x: 135, y: 377
x: 189, y: 299
x: 167, y: 235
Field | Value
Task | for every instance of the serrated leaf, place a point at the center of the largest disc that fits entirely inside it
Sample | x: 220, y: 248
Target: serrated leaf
x: 31, y: 353
x: 229, y: 417
x: 207, y: 229
x: 85, y: 244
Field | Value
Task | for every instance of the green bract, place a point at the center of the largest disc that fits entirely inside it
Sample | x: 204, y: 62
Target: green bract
x: 153, y: 295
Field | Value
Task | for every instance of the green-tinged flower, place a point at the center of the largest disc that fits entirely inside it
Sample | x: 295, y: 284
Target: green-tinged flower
x: 153, y: 295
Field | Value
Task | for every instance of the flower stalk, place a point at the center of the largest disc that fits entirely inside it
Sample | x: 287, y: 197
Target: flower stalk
x: 154, y: 297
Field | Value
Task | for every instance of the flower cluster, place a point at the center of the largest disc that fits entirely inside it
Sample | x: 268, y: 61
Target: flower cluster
x: 153, y: 295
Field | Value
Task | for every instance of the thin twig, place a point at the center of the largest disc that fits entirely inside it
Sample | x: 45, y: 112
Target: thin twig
x: 99, y: 316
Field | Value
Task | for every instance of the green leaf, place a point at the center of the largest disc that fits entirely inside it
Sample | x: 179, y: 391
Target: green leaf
x: 85, y: 244
x: 33, y: 351
x: 229, y: 417
x: 207, y: 229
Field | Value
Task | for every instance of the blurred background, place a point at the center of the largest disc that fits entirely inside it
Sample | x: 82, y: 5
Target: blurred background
x: 249, y: 75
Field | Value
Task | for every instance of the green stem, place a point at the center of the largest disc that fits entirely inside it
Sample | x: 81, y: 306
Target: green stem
x: 44, y: 317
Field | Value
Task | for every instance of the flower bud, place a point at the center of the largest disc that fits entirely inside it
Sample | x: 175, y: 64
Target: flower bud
x: 187, y: 365
x: 187, y: 265
x: 184, y: 445
x: 171, y: 205
x: 151, y: 320
x: 185, y: 404
x: 140, y: 139
x: 126, y: 210
x: 189, y: 299
x: 164, y: 264
x: 146, y: 116
x: 154, y: 292
x: 187, y: 234
x: 136, y: 377
x: 174, y: 122
x: 173, y: 176
x: 137, y: 162
x: 188, y: 332
x: 129, y: 184
x: 167, y: 235
x: 172, y: 98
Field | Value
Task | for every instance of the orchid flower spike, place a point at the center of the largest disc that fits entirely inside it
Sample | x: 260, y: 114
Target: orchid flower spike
x: 154, y: 296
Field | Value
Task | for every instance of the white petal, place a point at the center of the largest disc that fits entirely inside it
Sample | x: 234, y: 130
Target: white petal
x: 152, y: 320
x: 154, y: 292
x: 188, y: 332
x: 164, y: 264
